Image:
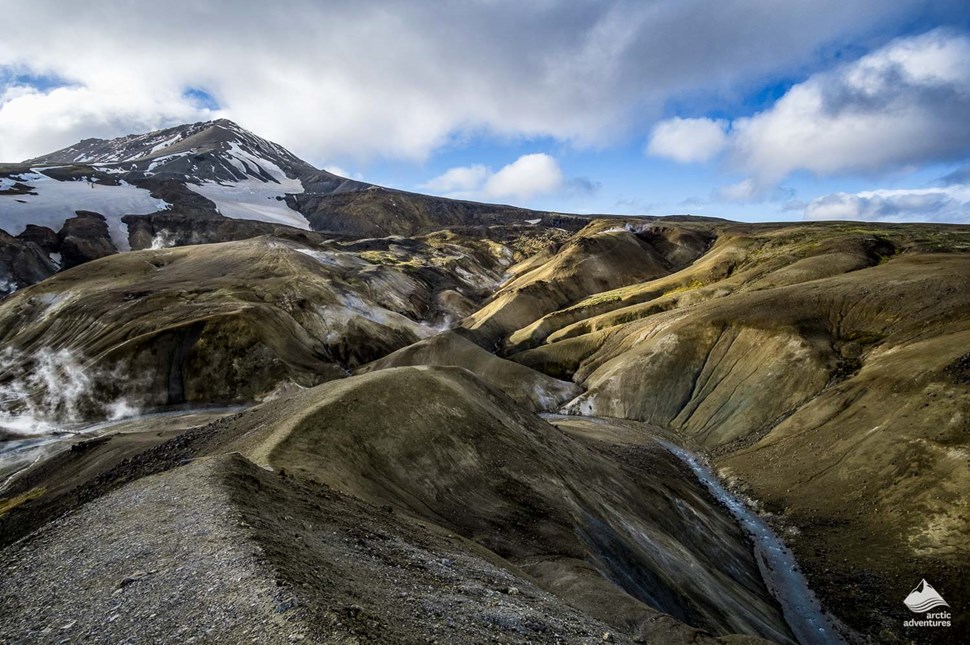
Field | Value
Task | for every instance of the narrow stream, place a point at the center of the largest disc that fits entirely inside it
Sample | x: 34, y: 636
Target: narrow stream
x: 802, y: 610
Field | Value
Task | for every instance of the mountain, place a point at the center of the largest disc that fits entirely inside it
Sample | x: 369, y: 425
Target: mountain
x: 211, y: 151
x: 180, y: 185
x: 214, y: 152
x: 404, y: 418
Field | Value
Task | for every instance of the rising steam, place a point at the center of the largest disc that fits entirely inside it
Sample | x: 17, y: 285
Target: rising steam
x: 163, y: 240
x: 51, y: 390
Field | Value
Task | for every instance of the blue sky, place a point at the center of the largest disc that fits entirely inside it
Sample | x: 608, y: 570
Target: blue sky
x: 745, y: 109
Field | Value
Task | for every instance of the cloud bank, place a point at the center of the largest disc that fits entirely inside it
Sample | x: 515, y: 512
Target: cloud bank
x: 902, y: 105
x: 333, y: 80
x: 948, y: 204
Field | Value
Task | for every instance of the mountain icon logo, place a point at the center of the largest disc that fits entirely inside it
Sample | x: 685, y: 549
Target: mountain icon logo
x: 924, y: 598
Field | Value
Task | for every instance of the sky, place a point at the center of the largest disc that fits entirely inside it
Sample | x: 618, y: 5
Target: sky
x: 757, y: 110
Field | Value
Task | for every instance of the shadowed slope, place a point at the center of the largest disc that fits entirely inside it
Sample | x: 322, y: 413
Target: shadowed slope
x: 220, y: 549
x: 529, y: 388
x: 232, y: 321
x: 439, y: 444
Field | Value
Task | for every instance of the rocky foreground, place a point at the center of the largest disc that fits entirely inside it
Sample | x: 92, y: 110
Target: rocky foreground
x: 395, y: 484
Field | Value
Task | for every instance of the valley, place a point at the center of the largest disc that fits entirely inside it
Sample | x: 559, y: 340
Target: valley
x: 324, y: 410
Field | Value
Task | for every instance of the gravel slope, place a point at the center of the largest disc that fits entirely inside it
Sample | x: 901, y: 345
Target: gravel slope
x: 211, y: 552
x: 161, y: 560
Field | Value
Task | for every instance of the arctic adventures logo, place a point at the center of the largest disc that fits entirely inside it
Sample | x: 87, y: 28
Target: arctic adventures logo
x: 923, y: 600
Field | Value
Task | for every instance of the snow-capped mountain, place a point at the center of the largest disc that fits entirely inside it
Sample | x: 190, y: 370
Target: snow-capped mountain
x: 245, y: 176
x: 240, y: 175
x: 175, y: 186
x: 210, y: 151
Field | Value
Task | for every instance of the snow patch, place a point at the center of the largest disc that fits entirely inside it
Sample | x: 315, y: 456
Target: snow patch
x: 57, y: 201
x: 255, y: 199
x: 242, y: 159
x: 615, y: 229
x: 22, y: 177
x: 164, y: 159
x: 164, y: 144
x: 113, y: 170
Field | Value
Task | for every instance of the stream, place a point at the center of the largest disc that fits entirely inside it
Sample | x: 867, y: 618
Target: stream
x: 802, y: 610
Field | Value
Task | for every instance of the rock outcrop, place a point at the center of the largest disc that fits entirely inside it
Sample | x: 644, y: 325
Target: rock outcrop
x: 22, y: 263
x: 84, y: 238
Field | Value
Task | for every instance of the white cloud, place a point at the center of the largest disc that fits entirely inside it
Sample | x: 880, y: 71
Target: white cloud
x: 34, y: 122
x: 459, y: 179
x: 945, y: 204
x: 334, y: 80
x: 687, y: 140
x: 527, y: 177
x: 902, y: 105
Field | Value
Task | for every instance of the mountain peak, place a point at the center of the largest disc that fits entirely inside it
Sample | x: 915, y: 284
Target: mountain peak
x: 237, y: 174
x: 219, y: 150
x: 225, y: 123
x: 222, y: 124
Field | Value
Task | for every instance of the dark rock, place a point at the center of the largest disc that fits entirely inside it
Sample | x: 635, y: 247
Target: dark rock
x: 43, y: 237
x: 171, y: 228
x: 133, y: 578
x: 286, y: 605
x: 84, y: 238
x: 22, y: 263
x: 87, y: 444
x: 353, y: 611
